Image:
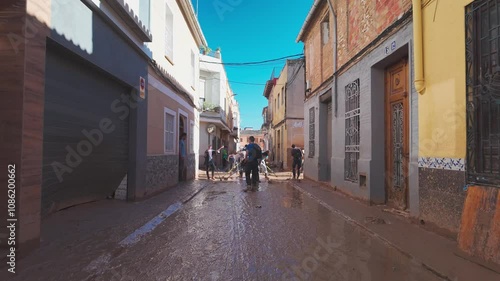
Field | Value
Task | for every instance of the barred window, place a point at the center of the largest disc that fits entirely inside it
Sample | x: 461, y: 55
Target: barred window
x: 352, y: 115
x: 483, y: 92
x: 312, y: 132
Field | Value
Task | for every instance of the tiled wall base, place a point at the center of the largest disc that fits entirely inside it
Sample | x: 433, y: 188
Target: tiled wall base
x: 442, y: 197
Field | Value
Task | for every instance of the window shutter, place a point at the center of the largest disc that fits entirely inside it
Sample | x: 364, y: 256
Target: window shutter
x: 193, y: 69
x: 169, y: 132
x: 325, y: 31
x: 169, y: 34
x: 202, y: 88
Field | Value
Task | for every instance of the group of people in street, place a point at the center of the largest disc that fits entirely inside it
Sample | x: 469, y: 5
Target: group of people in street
x: 249, y: 161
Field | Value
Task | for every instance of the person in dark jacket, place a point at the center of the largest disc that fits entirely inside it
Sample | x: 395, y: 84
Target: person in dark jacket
x: 252, y: 161
x: 297, y: 161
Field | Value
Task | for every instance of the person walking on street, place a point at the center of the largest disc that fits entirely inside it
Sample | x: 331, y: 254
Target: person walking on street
x: 209, y: 161
x: 253, y: 157
x: 231, y: 161
x: 263, y: 166
x: 297, y: 161
x: 223, y: 152
x: 302, y: 161
x: 241, y: 161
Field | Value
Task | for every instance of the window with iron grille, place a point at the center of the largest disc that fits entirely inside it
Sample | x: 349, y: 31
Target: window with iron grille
x: 483, y: 92
x: 352, y: 115
x: 311, y: 131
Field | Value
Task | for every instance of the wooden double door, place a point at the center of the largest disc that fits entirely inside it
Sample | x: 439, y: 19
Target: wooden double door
x: 397, y: 134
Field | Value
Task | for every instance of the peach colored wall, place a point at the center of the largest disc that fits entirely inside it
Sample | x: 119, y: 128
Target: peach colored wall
x: 157, y: 101
x: 258, y: 138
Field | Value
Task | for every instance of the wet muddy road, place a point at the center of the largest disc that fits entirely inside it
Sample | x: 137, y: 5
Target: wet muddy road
x: 275, y: 233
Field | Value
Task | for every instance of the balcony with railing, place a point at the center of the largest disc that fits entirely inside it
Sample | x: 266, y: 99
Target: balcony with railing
x: 216, y: 112
x: 211, y: 53
x: 213, y: 110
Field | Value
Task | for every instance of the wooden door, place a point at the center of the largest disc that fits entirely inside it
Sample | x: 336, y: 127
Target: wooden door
x: 397, y: 134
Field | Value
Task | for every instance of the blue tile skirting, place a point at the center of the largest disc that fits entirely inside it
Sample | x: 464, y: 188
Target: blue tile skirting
x: 455, y: 164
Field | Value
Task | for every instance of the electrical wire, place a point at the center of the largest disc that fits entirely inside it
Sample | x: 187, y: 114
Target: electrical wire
x: 256, y: 66
x: 252, y: 63
x: 245, y: 83
x: 239, y: 82
x: 294, y: 76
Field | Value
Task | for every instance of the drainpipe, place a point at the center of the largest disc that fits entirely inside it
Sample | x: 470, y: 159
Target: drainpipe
x: 418, y: 46
x: 334, y: 44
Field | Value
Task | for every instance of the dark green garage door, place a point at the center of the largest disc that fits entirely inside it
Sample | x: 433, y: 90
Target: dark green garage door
x: 85, y: 150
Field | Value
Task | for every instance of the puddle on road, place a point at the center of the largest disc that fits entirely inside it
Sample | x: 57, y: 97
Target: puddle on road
x: 212, y: 195
x: 293, y: 198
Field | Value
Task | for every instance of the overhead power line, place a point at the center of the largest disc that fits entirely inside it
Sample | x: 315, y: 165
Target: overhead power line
x: 246, y: 83
x: 272, y: 65
x: 254, y: 62
x: 239, y: 82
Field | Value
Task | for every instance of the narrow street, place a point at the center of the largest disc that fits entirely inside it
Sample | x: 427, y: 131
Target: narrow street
x: 223, y: 233
x: 115, y: 112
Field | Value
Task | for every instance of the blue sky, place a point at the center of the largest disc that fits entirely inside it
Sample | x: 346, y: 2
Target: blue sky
x: 252, y: 30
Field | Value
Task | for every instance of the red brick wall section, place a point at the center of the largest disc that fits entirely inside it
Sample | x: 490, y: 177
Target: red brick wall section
x: 359, y: 22
x: 319, y: 56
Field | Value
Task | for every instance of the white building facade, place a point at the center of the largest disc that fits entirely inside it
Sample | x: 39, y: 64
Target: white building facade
x: 173, y: 87
x: 220, y: 118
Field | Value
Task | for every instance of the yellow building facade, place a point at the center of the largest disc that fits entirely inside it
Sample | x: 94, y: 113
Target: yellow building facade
x: 286, y: 95
x: 278, y: 128
x: 456, y: 65
x: 442, y: 108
